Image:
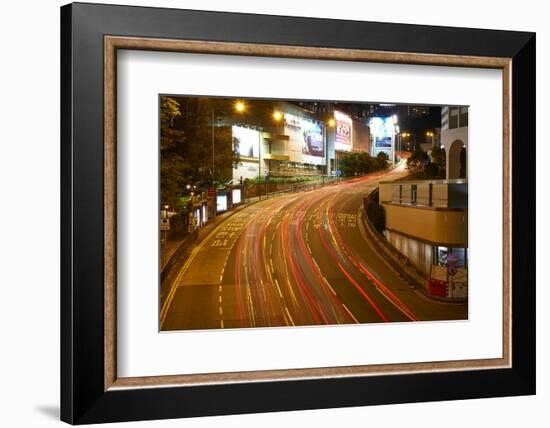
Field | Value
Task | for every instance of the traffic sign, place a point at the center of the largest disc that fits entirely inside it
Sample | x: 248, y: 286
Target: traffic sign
x: 164, y: 224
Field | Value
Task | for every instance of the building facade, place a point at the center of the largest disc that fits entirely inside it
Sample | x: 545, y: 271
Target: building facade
x: 296, y: 142
x: 454, y: 140
x: 427, y: 221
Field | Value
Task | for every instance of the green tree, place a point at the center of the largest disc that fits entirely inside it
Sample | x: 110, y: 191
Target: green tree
x: 438, y: 157
x: 418, y: 159
x: 377, y: 216
x: 172, y: 166
x: 207, y: 165
x: 382, y: 160
x: 361, y: 163
x: 187, y: 157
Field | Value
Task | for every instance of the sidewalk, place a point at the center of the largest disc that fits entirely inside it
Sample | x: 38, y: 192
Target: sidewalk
x: 173, y: 245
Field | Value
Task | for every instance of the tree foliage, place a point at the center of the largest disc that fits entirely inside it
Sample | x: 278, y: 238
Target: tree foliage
x: 377, y: 215
x: 187, y: 156
x: 361, y: 163
x: 425, y: 166
x: 438, y: 157
x: 172, y: 165
x: 419, y: 158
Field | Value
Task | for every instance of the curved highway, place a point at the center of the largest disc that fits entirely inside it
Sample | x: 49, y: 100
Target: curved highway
x: 296, y: 259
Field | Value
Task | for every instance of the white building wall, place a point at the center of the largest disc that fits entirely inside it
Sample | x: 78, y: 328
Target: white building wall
x: 448, y: 137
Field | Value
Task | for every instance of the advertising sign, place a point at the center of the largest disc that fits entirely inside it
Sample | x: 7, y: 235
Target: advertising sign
x: 306, y: 142
x: 246, y: 141
x: 164, y: 224
x: 236, y: 196
x: 381, y: 129
x: 343, y: 131
x: 221, y: 203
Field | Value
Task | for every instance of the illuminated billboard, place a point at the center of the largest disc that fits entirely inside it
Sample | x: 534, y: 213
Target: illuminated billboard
x: 246, y: 141
x: 236, y: 196
x: 343, y: 130
x: 221, y: 202
x: 306, y: 141
x: 381, y: 129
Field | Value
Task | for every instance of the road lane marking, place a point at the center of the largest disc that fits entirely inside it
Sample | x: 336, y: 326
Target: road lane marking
x: 376, y: 308
x: 289, y: 317
x: 350, y: 314
x: 170, y: 297
x: 404, y: 309
x: 168, y: 302
x: 278, y: 288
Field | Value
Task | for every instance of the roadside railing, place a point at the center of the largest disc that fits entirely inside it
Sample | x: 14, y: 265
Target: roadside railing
x: 397, y: 259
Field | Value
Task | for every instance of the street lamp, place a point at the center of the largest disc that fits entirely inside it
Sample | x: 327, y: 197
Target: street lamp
x: 277, y: 115
x: 430, y: 134
x: 240, y: 107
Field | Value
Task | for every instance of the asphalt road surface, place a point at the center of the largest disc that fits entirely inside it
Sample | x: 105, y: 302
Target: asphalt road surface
x: 294, y: 260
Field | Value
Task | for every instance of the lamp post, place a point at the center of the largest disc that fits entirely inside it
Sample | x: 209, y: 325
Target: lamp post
x: 394, y: 132
x: 240, y: 107
x: 430, y: 134
x: 331, y: 123
x: 164, y: 236
x: 401, y: 136
x: 212, y: 132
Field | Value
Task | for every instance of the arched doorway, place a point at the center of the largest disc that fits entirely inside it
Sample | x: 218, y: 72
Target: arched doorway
x: 456, y: 163
x: 463, y: 169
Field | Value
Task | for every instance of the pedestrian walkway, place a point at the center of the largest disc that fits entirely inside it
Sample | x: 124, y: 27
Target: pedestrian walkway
x: 173, y: 245
x: 207, y: 261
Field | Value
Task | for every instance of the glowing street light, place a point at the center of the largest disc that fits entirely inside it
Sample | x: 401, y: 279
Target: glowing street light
x: 240, y: 107
x: 431, y: 135
x: 331, y: 122
x: 277, y: 115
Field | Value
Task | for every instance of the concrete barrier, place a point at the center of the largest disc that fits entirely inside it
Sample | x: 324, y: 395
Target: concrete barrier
x: 398, y: 261
x: 176, y: 259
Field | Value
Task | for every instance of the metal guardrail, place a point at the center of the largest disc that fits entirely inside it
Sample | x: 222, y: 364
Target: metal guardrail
x: 298, y: 187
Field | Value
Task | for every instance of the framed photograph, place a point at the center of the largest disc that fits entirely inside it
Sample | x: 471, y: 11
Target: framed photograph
x: 266, y: 213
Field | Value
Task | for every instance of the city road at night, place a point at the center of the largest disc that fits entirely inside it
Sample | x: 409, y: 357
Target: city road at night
x: 296, y: 259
